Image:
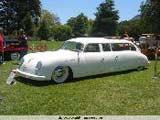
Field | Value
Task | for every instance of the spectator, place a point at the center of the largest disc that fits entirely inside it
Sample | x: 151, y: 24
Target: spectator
x: 23, y: 43
x: 125, y: 35
x: 1, y: 46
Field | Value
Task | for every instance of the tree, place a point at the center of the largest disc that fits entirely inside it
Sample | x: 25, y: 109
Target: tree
x: 50, y: 17
x: 16, y: 13
x: 47, y: 21
x: 43, y: 31
x: 62, y: 32
x: 8, y: 15
x: 90, y: 27
x: 150, y: 16
x: 106, y: 20
x: 79, y: 25
x: 132, y: 27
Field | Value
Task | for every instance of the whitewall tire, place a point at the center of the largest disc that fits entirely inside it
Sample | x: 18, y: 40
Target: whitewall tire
x: 60, y: 74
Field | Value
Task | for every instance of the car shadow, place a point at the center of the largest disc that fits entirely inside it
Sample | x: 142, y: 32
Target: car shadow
x: 33, y: 82
x: 103, y: 75
x: 47, y: 83
x: 16, y: 63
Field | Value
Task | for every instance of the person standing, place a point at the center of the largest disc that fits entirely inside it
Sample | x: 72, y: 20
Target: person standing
x: 1, y: 46
x: 23, y: 43
x: 125, y: 35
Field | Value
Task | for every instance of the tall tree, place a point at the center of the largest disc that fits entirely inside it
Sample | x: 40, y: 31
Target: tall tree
x: 16, y: 13
x: 150, y: 16
x: 44, y: 31
x: 106, y: 20
x: 8, y: 15
x: 79, y: 25
x: 132, y: 27
x: 50, y: 17
x: 47, y: 22
x: 28, y: 12
x: 90, y: 26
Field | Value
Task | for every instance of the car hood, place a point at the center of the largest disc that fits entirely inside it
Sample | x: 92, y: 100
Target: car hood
x: 51, y: 55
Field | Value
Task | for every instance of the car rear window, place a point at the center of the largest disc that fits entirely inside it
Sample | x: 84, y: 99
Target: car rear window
x: 122, y: 47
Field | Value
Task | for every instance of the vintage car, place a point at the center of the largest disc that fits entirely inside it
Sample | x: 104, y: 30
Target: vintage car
x: 80, y: 57
x: 11, y: 49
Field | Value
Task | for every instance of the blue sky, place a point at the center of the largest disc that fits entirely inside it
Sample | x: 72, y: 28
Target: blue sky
x: 71, y: 8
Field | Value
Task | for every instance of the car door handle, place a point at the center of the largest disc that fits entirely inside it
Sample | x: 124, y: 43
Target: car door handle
x: 116, y: 57
x: 102, y: 60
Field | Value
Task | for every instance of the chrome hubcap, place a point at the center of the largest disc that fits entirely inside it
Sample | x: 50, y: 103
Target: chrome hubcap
x: 59, y: 73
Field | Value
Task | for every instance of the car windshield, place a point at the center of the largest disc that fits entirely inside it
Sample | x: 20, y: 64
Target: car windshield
x: 73, y: 46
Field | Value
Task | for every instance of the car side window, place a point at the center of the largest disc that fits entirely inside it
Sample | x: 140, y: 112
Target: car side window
x: 120, y: 46
x: 92, y: 48
x: 106, y: 47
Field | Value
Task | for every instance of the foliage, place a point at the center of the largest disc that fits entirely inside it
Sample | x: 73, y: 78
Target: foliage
x: 150, y: 16
x: 48, y: 20
x: 106, y: 20
x: 90, y: 27
x: 49, y: 17
x: 44, y: 31
x: 79, y: 25
x: 8, y: 19
x: 125, y: 93
x: 132, y: 27
x: 61, y: 32
x: 17, y: 14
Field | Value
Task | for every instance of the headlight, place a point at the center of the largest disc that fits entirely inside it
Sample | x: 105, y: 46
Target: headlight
x: 38, y: 67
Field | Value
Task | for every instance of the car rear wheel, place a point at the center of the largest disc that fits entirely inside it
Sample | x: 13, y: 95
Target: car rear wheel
x: 61, y: 74
x: 140, y: 68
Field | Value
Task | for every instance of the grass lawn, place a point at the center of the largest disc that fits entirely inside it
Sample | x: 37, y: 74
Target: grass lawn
x: 126, y: 93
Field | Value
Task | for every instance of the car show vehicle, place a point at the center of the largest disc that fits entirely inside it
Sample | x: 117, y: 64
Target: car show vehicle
x: 80, y: 57
x: 11, y: 49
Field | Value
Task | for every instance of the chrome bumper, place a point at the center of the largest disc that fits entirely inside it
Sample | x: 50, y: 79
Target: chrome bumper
x: 29, y: 76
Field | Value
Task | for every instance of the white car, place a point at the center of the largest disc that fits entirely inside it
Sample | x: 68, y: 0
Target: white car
x: 80, y: 57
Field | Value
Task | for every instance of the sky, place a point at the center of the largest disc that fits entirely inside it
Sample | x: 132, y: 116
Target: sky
x: 65, y: 9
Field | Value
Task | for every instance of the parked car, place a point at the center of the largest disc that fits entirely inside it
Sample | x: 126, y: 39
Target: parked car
x: 80, y: 57
x: 12, y: 49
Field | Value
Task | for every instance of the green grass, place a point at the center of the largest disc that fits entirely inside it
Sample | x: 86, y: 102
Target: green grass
x: 126, y: 93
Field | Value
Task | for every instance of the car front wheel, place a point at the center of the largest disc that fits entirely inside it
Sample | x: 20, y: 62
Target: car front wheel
x: 60, y: 74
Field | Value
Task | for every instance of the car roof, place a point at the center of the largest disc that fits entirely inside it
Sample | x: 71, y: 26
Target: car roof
x: 87, y: 40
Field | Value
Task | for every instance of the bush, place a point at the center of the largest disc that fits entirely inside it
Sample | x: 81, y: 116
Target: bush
x: 43, y: 31
x: 61, y: 32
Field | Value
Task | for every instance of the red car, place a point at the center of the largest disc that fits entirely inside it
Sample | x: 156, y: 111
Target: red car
x: 11, y: 49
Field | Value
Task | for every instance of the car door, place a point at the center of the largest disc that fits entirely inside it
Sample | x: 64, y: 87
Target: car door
x: 120, y: 57
x: 124, y: 58
x: 91, y: 59
x: 109, y: 58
